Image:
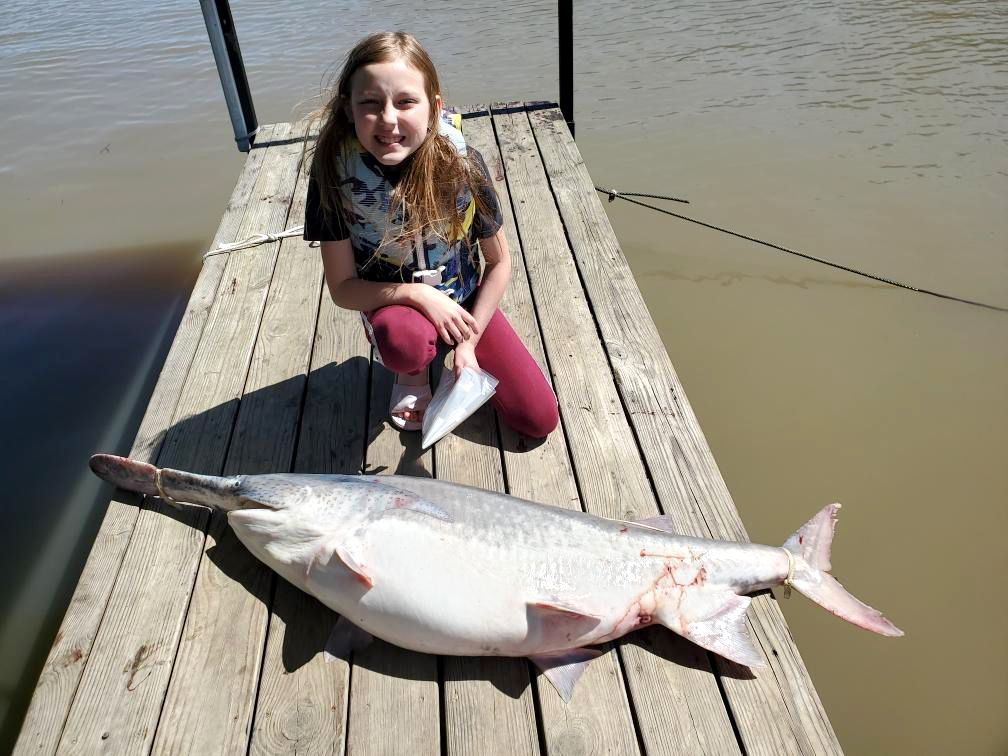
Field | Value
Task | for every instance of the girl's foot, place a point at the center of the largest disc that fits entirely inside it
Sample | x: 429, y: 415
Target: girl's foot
x: 410, y: 396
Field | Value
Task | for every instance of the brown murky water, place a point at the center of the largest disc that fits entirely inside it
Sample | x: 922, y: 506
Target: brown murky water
x: 871, y: 136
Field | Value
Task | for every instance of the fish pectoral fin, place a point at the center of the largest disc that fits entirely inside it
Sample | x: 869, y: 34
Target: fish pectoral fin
x: 344, y: 553
x: 564, y: 668
x: 345, y: 638
x: 722, y: 630
x: 556, y: 622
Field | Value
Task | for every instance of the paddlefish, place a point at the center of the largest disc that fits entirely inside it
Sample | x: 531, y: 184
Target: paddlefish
x: 449, y: 569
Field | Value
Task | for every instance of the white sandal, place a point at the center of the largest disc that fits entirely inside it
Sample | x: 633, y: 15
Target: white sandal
x: 408, y: 398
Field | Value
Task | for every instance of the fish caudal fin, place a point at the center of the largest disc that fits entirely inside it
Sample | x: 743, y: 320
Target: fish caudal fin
x: 810, y: 547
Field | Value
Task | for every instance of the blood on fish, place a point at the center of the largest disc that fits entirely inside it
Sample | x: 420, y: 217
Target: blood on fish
x: 623, y: 530
x: 701, y: 576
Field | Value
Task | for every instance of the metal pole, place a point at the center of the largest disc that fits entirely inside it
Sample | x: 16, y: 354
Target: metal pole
x: 565, y: 16
x: 227, y: 54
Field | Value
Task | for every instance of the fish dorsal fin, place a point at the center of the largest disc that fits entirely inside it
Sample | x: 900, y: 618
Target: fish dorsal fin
x: 721, y: 629
x: 408, y: 501
x: 564, y: 668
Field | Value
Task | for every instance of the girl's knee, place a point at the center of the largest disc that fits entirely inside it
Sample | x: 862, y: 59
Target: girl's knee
x: 533, y: 421
x: 406, y: 342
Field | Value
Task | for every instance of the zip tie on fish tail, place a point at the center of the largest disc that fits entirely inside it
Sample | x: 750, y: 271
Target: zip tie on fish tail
x: 161, y: 491
x: 790, y: 573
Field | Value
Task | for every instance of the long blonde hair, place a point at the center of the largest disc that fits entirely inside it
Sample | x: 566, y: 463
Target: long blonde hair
x: 436, y: 172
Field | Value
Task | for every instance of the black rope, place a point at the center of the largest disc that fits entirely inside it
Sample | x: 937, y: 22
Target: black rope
x: 613, y: 194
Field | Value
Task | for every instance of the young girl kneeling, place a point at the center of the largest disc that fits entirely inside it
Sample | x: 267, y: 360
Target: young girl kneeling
x: 403, y: 209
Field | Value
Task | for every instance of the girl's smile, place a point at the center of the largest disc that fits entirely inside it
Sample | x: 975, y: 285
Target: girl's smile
x: 390, y: 109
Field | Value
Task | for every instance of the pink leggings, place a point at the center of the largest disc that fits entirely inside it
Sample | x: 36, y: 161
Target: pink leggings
x: 407, y: 343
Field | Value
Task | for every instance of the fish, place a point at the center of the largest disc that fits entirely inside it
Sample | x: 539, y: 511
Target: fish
x: 449, y: 569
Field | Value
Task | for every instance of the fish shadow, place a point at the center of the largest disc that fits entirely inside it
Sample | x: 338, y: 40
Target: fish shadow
x: 664, y: 644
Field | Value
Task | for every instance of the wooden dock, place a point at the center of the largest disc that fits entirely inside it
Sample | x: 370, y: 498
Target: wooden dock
x: 178, y: 641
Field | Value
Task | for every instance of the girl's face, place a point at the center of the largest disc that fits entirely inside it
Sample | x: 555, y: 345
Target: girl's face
x: 390, y: 110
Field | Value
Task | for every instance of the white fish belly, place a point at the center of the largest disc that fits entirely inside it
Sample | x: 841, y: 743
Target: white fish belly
x: 445, y: 592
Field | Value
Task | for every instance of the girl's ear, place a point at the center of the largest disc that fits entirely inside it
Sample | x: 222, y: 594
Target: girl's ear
x: 437, y: 106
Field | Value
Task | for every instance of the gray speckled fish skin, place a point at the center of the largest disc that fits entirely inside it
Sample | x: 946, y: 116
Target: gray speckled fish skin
x: 449, y: 569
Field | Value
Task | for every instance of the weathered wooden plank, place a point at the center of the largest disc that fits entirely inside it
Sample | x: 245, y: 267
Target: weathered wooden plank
x: 43, y: 724
x: 488, y: 702
x: 208, y: 707
x: 605, y: 457
x: 598, y: 720
x: 394, y: 693
x: 393, y: 706
x: 123, y: 688
x: 779, y: 708
x: 302, y: 706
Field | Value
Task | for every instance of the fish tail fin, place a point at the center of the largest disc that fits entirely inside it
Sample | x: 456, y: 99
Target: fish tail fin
x: 175, y: 486
x: 810, y: 546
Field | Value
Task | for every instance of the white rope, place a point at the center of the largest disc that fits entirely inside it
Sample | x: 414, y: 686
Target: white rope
x: 254, y: 241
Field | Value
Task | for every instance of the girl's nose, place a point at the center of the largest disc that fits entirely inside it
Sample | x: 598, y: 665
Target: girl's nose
x: 388, y: 113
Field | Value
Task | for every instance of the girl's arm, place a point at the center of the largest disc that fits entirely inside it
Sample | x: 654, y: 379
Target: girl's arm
x: 495, y: 280
x: 451, y: 321
x: 496, y: 276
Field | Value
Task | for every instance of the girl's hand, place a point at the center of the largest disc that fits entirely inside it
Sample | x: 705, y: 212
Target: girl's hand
x: 453, y: 323
x: 465, y: 356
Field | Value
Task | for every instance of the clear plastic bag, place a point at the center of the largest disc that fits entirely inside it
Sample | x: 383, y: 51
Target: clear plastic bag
x: 454, y: 401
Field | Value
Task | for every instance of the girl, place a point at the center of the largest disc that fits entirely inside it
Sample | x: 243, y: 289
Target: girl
x: 403, y: 210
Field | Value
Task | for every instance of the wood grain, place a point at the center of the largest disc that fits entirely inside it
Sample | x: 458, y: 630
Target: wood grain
x: 540, y: 470
x: 122, y: 690
x: 777, y: 708
x: 606, y: 459
x: 225, y: 628
x: 394, y: 693
x: 302, y: 706
x: 57, y: 685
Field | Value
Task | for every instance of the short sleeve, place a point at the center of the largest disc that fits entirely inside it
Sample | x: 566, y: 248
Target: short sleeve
x: 486, y: 224
x: 320, y: 225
